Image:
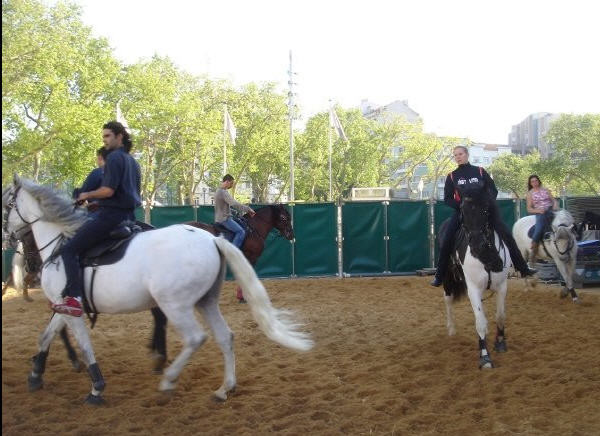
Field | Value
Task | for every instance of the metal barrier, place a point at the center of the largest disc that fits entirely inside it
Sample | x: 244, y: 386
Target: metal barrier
x: 355, y: 238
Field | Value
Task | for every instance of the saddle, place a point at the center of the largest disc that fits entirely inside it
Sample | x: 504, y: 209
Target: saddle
x: 548, y: 217
x: 228, y: 234
x: 113, y: 249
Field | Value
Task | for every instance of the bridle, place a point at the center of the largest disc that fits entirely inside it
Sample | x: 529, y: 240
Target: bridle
x: 17, y: 234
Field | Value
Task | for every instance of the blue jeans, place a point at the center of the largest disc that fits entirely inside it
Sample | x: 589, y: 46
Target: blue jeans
x: 95, y: 230
x: 540, y: 221
x: 239, y: 232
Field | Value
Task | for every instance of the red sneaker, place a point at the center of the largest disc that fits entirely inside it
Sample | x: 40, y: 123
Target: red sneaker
x: 70, y: 306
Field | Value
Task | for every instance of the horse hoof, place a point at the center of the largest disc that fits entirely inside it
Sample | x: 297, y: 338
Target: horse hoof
x: 219, y: 397
x: 500, y: 347
x: 34, y: 383
x: 166, y: 386
x: 576, y: 300
x: 95, y: 400
x: 485, y: 362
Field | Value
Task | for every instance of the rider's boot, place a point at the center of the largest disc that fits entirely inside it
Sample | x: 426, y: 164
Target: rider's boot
x: 70, y: 306
x: 535, y: 246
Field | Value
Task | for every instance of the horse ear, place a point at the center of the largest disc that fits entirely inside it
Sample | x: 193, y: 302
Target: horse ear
x: 16, y: 179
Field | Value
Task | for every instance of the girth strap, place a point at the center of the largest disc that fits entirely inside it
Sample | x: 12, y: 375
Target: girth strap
x: 88, y: 304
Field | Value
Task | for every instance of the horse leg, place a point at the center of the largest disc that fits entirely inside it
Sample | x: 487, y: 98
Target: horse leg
x: 566, y: 271
x: 27, y: 282
x: 71, y: 354
x: 480, y: 325
x: 500, y: 342
x: 79, y: 329
x: 159, y: 340
x: 193, y: 337
x: 224, y: 337
x: 34, y: 380
x: 448, y: 299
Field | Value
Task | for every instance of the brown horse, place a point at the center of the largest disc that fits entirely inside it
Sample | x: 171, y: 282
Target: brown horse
x: 259, y: 226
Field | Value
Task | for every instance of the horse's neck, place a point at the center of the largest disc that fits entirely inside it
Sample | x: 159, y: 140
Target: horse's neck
x: 45, y: 232
x: 262, y: 224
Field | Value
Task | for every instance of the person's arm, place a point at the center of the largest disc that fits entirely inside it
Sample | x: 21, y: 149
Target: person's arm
x: 101, y: 192
x: 530, y: 208
x: 554, y: 201
x: 489, y: 182
x: 449, y: 194
x: 236, y: 204
x: 113, y: 173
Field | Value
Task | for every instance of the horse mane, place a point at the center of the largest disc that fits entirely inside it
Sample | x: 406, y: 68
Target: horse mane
x: 56, y: 207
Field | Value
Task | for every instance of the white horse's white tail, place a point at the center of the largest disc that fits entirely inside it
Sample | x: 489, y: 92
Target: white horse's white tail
x: 18, y: 269
x: 274, y: 323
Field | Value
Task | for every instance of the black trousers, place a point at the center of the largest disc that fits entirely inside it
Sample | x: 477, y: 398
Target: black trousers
x: 95, y: 230
x: 503, y: 232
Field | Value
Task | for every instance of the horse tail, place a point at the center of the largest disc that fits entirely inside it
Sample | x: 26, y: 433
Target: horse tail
x: 275, y: 324
x: 18, y: 271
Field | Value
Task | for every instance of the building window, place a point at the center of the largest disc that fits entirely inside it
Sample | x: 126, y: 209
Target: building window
x: 486, y: 160
x: 476, y: 160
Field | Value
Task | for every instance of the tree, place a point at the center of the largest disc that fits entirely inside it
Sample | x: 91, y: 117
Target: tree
x: 53, y: 86
x: 576, y: 140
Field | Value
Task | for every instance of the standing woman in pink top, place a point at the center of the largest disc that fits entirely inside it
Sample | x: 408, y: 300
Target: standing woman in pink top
x: 539, y: 200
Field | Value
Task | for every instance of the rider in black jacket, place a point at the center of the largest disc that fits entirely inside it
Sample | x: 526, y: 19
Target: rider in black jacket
x: 465, y: 180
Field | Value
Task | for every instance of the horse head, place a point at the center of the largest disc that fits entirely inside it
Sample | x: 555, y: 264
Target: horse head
x: 475, y: 213
x: 282, y: 221
x: 564, y: 232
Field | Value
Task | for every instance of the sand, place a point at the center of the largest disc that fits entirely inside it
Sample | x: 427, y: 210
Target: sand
x: 383, y: 364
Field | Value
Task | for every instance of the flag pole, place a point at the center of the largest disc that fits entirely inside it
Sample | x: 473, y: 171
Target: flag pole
x: 330, y: 151
x: 291, y: 116
x: 224, y: 139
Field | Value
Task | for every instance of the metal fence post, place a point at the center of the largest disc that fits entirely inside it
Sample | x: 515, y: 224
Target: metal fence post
x: 340, y: 240
x: 432, y: 232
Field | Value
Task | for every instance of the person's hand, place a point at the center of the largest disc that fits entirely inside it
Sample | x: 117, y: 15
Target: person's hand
x: 251, y: 212
x: 91, y: 207
x: 81, y: 198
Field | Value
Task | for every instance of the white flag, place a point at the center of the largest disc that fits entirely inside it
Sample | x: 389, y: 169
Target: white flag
x: 334, y: 122
x: 228, y: 126
x: 120, y: 118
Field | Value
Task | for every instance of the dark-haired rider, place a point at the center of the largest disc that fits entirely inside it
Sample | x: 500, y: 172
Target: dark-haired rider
x: 118, y: 196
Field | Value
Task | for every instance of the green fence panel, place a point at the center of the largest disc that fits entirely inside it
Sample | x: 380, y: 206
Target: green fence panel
x: 7, y: 257
x: 276, y: 260
x: 167, y: 215
x: 507, y: 212
x: 363, y: 244
x: 316, y: 246
x: 523, y: 203
x: 408, y: 230
x: 139, y: 214
x: 205, y: 214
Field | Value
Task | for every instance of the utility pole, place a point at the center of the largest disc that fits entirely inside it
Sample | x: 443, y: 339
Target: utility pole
x: 291, y: 115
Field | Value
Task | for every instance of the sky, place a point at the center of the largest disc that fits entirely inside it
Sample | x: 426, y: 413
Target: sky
x: 470, y: 68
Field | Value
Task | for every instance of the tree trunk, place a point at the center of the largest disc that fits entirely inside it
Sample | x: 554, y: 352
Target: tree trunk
x: 37, y: 160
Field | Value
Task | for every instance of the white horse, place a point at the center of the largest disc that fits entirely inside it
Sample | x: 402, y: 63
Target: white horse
x: 179, y: 268
x: 558, y: 245
x: 480, y: 262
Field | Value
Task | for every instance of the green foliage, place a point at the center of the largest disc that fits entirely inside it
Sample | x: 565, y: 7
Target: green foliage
x: 576, y: 140
x: 54, y: 78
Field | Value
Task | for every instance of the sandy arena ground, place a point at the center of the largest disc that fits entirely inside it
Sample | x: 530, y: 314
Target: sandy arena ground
x: 382, y: 365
